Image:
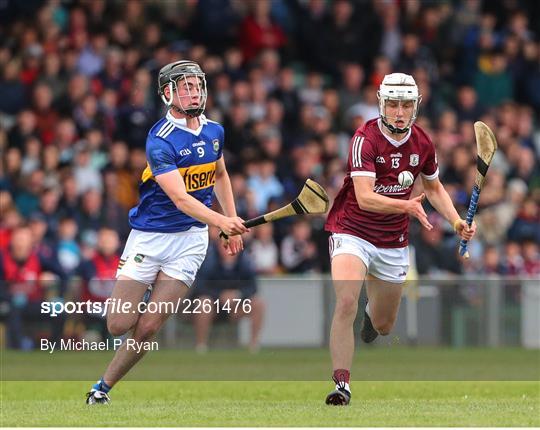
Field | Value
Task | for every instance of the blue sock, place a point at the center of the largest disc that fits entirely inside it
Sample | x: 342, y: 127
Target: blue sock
x: 101, y: 386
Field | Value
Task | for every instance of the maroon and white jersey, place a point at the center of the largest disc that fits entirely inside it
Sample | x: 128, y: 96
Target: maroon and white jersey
x: 376, y: 155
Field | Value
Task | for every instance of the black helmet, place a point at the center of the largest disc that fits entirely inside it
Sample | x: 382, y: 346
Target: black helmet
x: 169, y: 75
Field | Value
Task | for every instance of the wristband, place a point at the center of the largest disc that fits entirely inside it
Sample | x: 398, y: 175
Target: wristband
x: 456, y: 224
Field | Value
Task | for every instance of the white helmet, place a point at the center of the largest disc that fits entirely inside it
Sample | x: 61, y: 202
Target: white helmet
x: 398, y: 86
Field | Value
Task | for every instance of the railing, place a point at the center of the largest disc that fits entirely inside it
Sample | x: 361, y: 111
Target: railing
x: 461, y: 311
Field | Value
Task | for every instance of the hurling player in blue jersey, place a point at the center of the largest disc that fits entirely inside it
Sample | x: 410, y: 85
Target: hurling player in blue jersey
x: 169, y: 235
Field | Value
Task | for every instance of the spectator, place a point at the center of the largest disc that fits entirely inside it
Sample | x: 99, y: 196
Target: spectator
x: 229, y: 280
x: 64, y: 138
x: 52, y: 75
x: 46, y: 115
x: 264, y: 251
x: 311, y: 18
x: 116, y: 215
x: 512, y: 261
x: 491, y: 263
x: 531, y: 83
x: 526, y: 225
x: 91, y: 217
x: 265, y: 185
x: 215, y: 23
x: 69, y: 203
x: 258, y: 31
x: 12, y: 89
x: 91, y: 58
x: 271, y: 147
x: 46, y: 250
x: 31, y: 160
x: 346, y: 29
x: 135, y: 119
x: 298, y: 251
x: 86, y: 175
x: 69, y: 252
x: 21, y: 270
x: 311, y: 92
x: 350, y: 92
x: 237, y: 124
x: 48, y: 210
x: 87, y: 115
x: 467, y: 106
x: 244, y: 198
x: 493, y: 82
x: 27, y: 197
x: 367, y: 108
x: 391, y: 37
x: 24, y: 129
x: 495, y: 221
x: 269, y: 63
x: 77, y: 87
x: 51, y: 166
x: 531, y: 258
x: 287, y: 93
x: 434, y: 255
x: 414, y: 55
x: 98, y: 274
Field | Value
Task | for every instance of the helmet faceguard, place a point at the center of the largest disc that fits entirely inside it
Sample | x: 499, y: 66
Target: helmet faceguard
x: 401, y: 87
x: 175, y: 74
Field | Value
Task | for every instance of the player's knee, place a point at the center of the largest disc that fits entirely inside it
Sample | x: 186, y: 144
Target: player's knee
x: 347, y: 305
x: 383, y: 327
x: 146, y: 330
x: 117, y: 327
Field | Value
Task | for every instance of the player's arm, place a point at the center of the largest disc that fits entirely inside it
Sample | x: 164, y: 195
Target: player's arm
x: 439, y: 197
x: 441, y: 201
x: 173, y: 185
x: 161, y: 157
x: 223, y: 189
x: 362, y: 156
x: 369, y: 200
x: 224, y: 194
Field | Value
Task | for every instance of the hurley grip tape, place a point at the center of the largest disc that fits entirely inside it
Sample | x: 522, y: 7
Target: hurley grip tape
x: 473, y: 205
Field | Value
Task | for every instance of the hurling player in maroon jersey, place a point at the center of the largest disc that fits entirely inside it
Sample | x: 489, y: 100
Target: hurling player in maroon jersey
x: 369, y: 220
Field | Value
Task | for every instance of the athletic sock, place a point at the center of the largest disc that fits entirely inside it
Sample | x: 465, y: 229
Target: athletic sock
x: 367, y: 310
x: 101, y: 385
x: 342, y: 378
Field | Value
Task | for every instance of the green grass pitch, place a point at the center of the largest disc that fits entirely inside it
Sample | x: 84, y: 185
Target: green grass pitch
x: 392, y: 386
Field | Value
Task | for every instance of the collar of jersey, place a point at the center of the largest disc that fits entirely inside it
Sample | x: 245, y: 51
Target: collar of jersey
x: 181, y: 123
x: 396, y: 143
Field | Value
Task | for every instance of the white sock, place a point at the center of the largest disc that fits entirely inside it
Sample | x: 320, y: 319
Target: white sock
x: 367, y: 310
x: 347, y: 387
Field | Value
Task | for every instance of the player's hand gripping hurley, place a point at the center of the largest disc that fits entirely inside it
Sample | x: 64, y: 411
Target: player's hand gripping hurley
x: 311, y: 200
x: 486, y: 145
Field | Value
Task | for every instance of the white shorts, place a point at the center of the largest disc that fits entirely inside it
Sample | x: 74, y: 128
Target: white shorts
x: 178, y: 255
x: 388, y: 264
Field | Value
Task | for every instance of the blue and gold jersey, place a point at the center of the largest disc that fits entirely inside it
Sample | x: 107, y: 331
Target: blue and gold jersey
x: 171, y: 145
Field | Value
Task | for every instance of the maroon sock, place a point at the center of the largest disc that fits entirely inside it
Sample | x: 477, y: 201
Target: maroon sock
x: 341, y: 375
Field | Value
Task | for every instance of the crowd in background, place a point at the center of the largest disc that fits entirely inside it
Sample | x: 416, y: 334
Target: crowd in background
x: 290, y: 80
